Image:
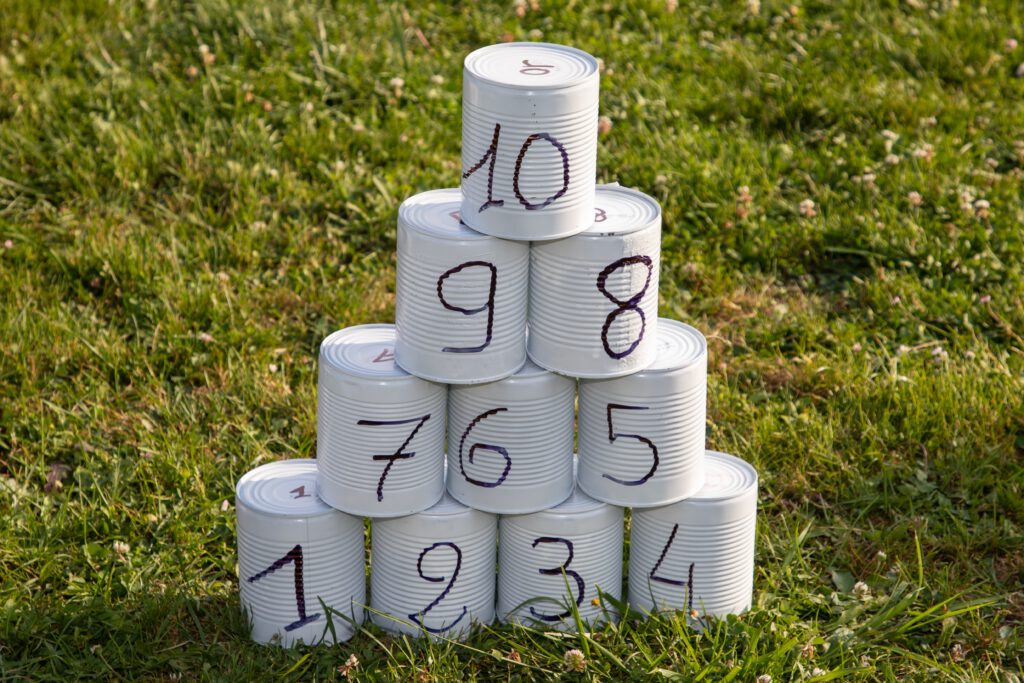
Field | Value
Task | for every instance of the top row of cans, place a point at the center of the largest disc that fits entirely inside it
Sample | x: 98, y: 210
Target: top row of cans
x: 529, y: 140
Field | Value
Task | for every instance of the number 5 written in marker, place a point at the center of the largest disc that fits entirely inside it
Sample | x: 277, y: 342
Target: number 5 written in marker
x: 613, y: 435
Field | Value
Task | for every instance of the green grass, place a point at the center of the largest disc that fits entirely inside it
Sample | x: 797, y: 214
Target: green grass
x: 176, y: 238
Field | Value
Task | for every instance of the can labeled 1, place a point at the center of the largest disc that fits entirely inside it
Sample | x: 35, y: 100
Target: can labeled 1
x: 593, y: 310
x: 460, y: 302
x: 380, y: 430
x: 529, y: 140
x: 641, y: 436
x: 697, y: 555
x: 297, y: 555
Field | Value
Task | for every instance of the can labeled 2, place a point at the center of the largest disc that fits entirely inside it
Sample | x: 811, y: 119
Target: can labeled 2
x: 593, y: 309
x: 641, y: 437
x: 529, y: 140
x: 432, y: 573
x: 561, y: 560
x: 380, y: 430
x: 297, y: 554
x: 510, y: 442
x: 697, y: 555
x: 460, y: 303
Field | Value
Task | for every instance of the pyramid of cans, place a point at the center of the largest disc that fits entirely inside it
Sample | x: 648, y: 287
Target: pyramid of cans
x: 524, y: 294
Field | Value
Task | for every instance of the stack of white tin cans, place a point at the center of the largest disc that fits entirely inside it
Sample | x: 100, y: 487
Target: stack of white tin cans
x: 527, y: 306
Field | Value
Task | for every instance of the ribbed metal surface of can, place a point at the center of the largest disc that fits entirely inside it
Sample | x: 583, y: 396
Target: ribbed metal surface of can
x: 295, y: 551
x: 593, y: 310
x: 511, y: 442
x: 380, y: 430
x: 433, y: 573
x: 529, y: 140
x: 460, y: 302
x: 697, y: 555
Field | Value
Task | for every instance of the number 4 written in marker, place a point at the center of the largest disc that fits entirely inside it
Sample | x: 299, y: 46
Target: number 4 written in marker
x: 674, y: 582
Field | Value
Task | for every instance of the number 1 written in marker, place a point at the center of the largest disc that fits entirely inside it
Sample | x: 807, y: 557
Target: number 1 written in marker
x: 293, y: 556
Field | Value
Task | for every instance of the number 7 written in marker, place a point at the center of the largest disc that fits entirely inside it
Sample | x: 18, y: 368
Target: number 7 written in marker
x: 400, y: 454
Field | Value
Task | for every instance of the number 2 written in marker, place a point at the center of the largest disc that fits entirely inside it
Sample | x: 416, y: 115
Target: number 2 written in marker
x: 419, y: 616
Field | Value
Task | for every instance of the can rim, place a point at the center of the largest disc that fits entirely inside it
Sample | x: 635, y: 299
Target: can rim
x: 591, y: 71
x: 412, y: 214
x: 243, y: 489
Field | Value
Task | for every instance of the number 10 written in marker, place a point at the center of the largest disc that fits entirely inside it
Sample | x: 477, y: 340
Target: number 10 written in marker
x: 491, y: 156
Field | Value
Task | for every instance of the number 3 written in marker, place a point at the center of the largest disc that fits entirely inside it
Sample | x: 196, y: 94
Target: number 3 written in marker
x: 557, y: 571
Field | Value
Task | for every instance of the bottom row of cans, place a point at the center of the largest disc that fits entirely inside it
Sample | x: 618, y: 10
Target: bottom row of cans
x: 302, y: 571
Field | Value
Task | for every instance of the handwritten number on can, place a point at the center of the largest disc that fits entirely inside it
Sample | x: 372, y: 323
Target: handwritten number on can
x: 503, y: 452
x: 488, y: 305
x: 536, y: 69
x: 300, y: 492
x: 491, y: 155
x: 613, y: 435
x: 293, y: 556
x: 674, y: 582
x: 400, y: 454
x: 600, y: 215
x: 630, y: 304
x: 418, y: 617
x: 557, y: 571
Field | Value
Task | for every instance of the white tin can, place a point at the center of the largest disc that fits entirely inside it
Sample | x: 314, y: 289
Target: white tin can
x: 380, y: 430
x: 433, y: 572
x: 571, y: 553
x: 641, y: 437
x: 529, y: 140
x: 294, y: 551
x: 460, y: 302
x: 697, y: 555
x: 510, y: 442
x: 593, y: 308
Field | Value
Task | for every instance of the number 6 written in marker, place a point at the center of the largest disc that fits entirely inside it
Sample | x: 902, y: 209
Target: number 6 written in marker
x: 503, y: 452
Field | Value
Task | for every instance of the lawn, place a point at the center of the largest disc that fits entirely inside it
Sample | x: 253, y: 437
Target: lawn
x: 194, y: 193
